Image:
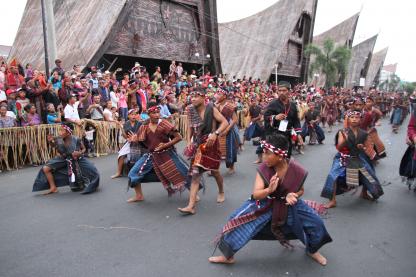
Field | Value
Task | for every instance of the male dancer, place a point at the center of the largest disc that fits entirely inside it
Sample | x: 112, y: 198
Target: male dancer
x: 351, y: 167
x: 370, y: 116
x: 228, y: 139
x: 161, y: 162
x: 204, y: 150
x: 281, y: 116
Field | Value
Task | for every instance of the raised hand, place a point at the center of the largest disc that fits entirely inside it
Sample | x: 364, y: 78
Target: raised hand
x: 274, y: 182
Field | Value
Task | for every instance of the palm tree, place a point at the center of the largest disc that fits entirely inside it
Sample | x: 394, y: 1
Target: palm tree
x: 330, y: 60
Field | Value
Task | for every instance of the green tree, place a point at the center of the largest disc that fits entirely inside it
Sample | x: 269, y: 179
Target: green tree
x: 409, y: 87
x: 330, y: 60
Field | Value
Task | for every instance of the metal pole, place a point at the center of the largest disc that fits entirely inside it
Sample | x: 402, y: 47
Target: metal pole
x: 203, y: 62
x: 275, y: 73
x: 50, y: 20
x: 45, y: 40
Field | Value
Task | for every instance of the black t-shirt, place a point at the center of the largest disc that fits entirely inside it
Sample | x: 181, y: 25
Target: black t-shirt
x: 277, y: 107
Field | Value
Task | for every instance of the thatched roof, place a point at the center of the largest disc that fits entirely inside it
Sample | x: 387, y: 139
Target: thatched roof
x: 253, y: 45
x: 376, y: 65
x: 5, y: 50
x: 152, y: 29
x: 80, y: 30
x: 342, y: 34
x: 360, y: 61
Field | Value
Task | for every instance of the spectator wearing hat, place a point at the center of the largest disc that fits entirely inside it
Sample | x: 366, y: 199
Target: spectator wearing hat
x: 21, y: 100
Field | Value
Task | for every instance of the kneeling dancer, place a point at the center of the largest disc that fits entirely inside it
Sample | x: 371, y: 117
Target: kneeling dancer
x: 351, y: 166
x: 161, y: 162
x: 69, y: 167
x: 275, y: 210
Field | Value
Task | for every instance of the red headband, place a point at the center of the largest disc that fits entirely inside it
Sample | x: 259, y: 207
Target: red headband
x: 67, y: 128
x: 275, y: 150
x: 153, y: 109
x: 352, y: 113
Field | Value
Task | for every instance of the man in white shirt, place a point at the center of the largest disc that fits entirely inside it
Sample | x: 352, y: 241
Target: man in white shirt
x: 71, y: 111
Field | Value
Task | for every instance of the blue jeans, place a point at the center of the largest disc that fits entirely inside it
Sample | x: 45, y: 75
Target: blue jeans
x: 123, y: 113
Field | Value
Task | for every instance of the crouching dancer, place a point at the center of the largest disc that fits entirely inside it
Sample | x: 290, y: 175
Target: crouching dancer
x: 69, y: 167
x: 351, y: 166
x: 275, y: 210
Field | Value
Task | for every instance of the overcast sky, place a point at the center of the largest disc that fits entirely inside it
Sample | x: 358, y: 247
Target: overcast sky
x: 391, y: 19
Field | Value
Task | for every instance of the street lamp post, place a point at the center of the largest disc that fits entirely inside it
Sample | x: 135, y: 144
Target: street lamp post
x: 208, y: 56
x: 316, y: 77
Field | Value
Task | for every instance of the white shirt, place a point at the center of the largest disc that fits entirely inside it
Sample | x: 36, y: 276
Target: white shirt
x: 11, y: 114
x: 114, y: 99
x: 3, y: 96
x: 108, y: 113
x: 71, y: 112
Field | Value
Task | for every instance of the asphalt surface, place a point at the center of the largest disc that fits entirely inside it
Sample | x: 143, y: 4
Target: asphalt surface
x: 68, y: 234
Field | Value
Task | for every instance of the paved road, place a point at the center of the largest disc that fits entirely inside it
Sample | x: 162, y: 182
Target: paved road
x: 100, y: 235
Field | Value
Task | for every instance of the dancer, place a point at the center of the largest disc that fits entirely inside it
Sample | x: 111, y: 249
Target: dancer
x: 311, y: 126
x: 370, y: 116
x: 397, y: 114
x: 275, y: 210
x: 228, y: 139
x: 255, y: 128
x: 69, y: 167
x: 408, y: 162
x: 161, y: 163
x: 131, y: 151
x: 330, y: 112
x: 281, y: 116
x: 206, y: 123
x: 351, y: 167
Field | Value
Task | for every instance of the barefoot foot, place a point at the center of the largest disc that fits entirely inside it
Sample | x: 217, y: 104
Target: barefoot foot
x: 135, y: 199
x: 231, y: 172
x: 330, y: 204
x: 116, y: 176
x: 187, y: 211
x: 51, y: 191
x: 221, y: 260
x: 220, y: 197
x: 257, y: 162
x: 318, y: 258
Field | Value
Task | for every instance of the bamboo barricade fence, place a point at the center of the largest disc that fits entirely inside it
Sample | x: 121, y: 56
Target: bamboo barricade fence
x: 20, y: 146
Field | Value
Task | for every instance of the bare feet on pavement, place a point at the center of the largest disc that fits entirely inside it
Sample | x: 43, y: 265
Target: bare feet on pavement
x: 187, y: 210
x: 331, y: 204
x: 135, y: 199
x: 220, y: 197
x: 221, y: 260
x: 51, y: 191
x: 318, y: 258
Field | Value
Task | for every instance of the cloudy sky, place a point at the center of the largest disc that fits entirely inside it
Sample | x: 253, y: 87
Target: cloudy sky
x: 390, y: 19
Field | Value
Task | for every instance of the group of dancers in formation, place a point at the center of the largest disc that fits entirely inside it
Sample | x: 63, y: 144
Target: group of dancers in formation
x: 275, y: 210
